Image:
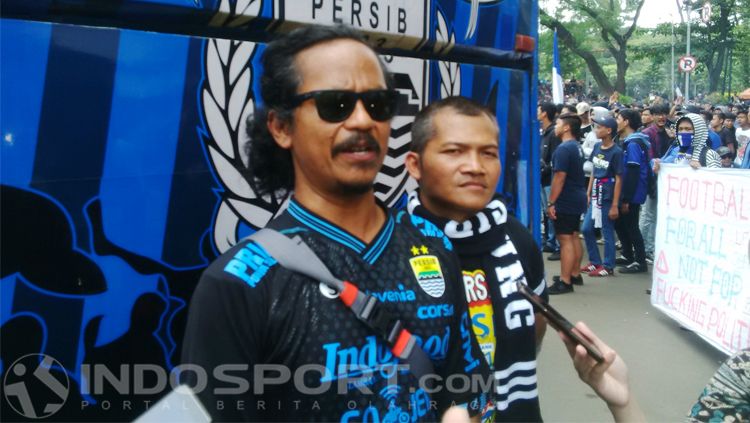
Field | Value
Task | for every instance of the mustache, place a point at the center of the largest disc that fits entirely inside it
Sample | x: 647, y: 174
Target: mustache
x: 354, y: 141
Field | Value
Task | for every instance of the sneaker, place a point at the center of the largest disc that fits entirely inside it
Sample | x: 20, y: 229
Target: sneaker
x: 573, y: 279
x: 588, y: 268
x: 560, y: 287
x: 622, y: 261
x: 634, y: 267
x: 649, y: 259
x: 554, y: 256
x: 601, y: 271
x: 548, y: 249
x: 600, y: 241
x: 618, y: 245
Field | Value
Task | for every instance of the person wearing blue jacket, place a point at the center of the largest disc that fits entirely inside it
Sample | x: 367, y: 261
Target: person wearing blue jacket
x: 690, y: 147
x: 636, y: 149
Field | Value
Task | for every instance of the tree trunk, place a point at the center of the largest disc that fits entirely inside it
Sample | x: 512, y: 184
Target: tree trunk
x: 605, y: 85
x: 715, y: 68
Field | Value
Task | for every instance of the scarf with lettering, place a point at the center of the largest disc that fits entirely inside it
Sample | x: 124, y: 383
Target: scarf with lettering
x: 481, y: 235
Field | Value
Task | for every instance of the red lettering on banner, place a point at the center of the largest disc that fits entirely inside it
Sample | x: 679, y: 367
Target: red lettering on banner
x: 671, y: 188
x: 705, y: 194
x: 660, y: 290
x: 661, y: 263
x: 684, y: 193
x: 719, y: 199
x: 687, y: 304
x: 731, y: 204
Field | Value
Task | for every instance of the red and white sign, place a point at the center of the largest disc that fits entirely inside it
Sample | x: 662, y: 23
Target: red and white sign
x: 687, y: 63
x: 706, y: 12
x: 702, y: 273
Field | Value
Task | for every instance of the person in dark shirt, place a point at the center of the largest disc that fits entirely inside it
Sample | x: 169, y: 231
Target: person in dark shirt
x: 278, y: 345
x: 546, y: 113
x: 659, y: 134
x: 729, y: 133
x: 660, y: 138
x: 634, y: 190
x: 603, y: 195
x: 454, y: 158
x: 567, y: 200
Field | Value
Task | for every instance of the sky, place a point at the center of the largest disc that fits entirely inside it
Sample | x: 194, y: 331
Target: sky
x: 658, y: 11
x: 653, y: 12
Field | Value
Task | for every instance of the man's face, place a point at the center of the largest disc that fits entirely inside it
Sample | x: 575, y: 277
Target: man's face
x: 585, y: 118
x: 621, y: 124
x: 726, y: 161
x: 540, y: 115
x: 742, y: 119
x: 717, y: 121
x: 335, y: 158
x: 560, y: 127
x: 685, y: 126
x: 729, y: 123
x: 646, y: 117
x: 660, y: 119
x: 459, y: 168
x: 602, y: 131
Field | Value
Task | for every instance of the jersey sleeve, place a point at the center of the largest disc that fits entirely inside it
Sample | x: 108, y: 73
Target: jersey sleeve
x: 224, y: 331
x: 464, y: 359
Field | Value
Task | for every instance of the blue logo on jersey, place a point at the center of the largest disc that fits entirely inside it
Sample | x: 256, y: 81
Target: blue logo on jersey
x: 429, y: 230
x: 419, y: 405
x: 363, y: 362
x: 466, y: 335
x: 252, y: 259
x: 402, y: 295
x: 435, y: 311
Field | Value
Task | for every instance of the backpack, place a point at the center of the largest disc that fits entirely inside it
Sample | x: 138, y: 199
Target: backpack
x: 651, y: 188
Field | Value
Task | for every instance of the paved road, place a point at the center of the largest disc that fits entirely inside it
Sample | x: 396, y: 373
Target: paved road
x: 668, y: 366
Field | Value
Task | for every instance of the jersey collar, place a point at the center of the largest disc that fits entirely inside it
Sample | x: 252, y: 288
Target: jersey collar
x: 369, y: 252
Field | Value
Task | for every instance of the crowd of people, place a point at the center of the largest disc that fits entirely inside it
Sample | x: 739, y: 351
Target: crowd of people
x: 598, y: 173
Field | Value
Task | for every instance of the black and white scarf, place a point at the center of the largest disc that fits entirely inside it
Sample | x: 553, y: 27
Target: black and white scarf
x: 481, y: 235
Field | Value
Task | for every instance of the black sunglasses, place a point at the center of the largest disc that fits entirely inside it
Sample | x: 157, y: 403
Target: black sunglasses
x: 338, y: 105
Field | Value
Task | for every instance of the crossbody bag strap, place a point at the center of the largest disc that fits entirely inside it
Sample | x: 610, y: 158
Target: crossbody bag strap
x: 295, y: 255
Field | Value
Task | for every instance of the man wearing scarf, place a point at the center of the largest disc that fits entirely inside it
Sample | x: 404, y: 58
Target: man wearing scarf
x: 454, y: 157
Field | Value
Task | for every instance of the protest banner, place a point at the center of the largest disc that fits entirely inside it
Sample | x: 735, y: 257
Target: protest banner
x: 701, y: 272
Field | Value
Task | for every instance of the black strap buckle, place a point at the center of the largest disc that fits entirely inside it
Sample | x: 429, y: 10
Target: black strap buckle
x: 380, y: 319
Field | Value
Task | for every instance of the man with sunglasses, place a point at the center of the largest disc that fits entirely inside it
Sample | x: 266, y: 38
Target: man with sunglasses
x: 301, y: 349
x: 455, y: 159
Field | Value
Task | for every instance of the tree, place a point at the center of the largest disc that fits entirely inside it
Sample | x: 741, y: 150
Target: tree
x: 721, y: 45
x: 612, y: 22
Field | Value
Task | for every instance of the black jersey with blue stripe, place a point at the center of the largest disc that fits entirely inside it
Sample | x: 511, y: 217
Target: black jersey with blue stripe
x: 301, y: 354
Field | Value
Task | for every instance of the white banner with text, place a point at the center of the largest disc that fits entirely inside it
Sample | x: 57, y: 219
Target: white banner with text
x: 701, y: 272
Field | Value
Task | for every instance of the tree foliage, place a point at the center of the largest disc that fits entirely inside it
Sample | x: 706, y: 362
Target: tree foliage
x: 612, y: 23
x: 722, y: 47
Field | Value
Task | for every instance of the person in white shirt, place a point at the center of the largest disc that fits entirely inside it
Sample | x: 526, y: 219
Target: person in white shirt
x: 742, y: 134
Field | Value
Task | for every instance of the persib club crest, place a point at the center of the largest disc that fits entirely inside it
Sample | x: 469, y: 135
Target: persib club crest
x: 427, y: 270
